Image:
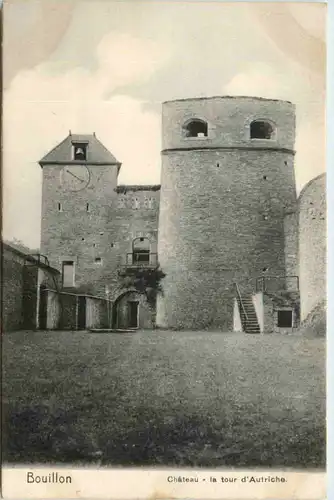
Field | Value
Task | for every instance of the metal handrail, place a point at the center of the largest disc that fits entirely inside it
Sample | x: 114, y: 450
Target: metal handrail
x: 240, y: 299
x: 263, y: 279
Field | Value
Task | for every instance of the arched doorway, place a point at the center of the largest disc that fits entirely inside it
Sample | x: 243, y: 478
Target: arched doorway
x: 131, y: 310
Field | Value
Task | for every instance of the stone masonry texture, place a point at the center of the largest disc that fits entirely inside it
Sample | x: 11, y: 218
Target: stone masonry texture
x: 312, y: 244
x: 222, y: 206
x: 103, y: 229
x: 226, y: 213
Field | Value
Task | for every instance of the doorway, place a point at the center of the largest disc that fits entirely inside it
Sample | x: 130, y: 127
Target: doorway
x: 82, y: 313
x: 133, y: 314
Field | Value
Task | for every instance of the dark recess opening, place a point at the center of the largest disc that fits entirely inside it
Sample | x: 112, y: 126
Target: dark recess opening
x: 197, y: 128
x: 261, y: 130
x: 80, y: 151
x: 284, y: 319
x: 141, y: 250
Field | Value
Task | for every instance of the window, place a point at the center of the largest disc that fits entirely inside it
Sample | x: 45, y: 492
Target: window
x: 98, y: 260
x: 261, y: 130
x: 284, y: 319
x: 60, y: 207
x: 196, y: 128
x: 80, y: 151
x: 141, y: 250
x: 122, y: 202
x: 135, y: 204
x: 87, y: 207
x: 149, y: 203
x: 68, y: 273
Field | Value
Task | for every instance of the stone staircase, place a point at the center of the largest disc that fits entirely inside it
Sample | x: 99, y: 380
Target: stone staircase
x: 248, y: 315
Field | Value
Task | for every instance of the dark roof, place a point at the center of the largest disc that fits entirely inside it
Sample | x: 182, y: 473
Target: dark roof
x: 97, y: 153
x: 124, y: 188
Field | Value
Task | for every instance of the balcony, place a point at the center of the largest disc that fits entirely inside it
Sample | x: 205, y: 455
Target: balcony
x: 139, y: 260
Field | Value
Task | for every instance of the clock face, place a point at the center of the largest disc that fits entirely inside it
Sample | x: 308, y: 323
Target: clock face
x: 75, y: 177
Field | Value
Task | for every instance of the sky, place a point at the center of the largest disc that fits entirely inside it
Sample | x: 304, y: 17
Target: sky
x: 106, y: 67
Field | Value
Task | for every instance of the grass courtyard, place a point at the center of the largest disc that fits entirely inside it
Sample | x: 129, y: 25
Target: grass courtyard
x: 164, y: 398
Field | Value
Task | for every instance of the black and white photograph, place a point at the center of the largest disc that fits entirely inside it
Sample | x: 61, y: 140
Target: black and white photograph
x: 164, y: 248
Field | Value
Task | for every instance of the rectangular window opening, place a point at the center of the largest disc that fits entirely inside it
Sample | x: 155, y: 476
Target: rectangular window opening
x: 98, y: 260
x: 284, y: 319
x: 60, y: 207
x: 68, y: 273
x: 87, y: 207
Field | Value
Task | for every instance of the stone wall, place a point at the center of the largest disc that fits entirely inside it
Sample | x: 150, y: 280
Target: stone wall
x: 312, y: 244
x: 291, y: 246
x: 96, y: 226
x: 12, y: 289
x: 98, y: 313
x: 82, y: 231
x: 222, y: 206
x: 63, y: 311
x: 136, y: 216
x: 267, y: 306
x: 21, y: 278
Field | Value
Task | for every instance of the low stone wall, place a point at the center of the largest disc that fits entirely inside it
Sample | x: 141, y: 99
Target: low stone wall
x: 259, y: 309
x: 267, y: 306
x: 53, y: 310
x: 98, y: 313
x: 21, y: 278
x: 62, y: 311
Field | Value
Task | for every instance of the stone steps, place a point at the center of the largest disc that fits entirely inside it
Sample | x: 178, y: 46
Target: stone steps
x: 251, y: 324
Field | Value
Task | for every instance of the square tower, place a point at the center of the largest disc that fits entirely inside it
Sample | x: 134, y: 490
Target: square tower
x: 79, y: 191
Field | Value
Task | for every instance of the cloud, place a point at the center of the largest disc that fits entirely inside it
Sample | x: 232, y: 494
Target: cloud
x: 129, y: 60
x: 262, y: 80
x: 41, y: 106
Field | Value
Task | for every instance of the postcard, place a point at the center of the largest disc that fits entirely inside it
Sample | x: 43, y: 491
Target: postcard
x: 164, y: 250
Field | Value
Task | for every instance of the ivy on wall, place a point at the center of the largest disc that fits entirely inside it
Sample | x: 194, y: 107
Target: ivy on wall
x: 146, y: 281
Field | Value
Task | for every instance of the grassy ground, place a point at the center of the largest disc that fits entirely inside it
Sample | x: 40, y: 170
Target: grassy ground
x: 164, y: 398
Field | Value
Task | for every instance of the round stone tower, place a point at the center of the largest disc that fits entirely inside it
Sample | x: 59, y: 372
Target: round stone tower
x: 227, y: 181
x: 312, y: 244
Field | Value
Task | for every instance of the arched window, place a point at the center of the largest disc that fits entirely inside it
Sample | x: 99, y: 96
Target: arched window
x: 196, y: 128
x: 260, y: 129
x: 140, y: 250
